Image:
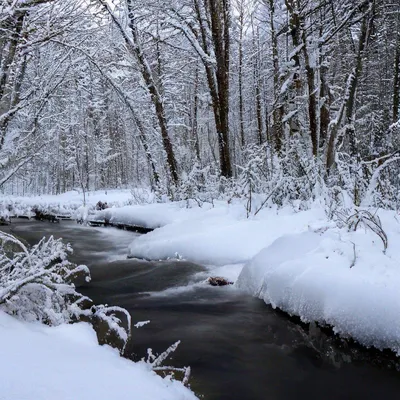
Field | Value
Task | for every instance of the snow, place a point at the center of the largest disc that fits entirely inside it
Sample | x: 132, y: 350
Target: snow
x: 65, y: 363
x: 334, y: 277
x: 82, y: 213
x: 296, y: 260
x: 119, y: 196
x: 66, y: 203
x: 217, y: 236
x: 150, y: 215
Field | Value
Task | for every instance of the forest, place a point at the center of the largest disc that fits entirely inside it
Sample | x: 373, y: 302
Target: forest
x: 292, y: 98
x: 223, y: 175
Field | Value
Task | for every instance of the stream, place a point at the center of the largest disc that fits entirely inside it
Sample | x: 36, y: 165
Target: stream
x: 237, y: 347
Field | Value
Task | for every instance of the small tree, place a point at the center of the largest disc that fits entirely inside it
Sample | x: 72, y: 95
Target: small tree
x: 250, y: 176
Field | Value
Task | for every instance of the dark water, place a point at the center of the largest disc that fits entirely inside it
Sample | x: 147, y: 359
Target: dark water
x: 238, y: 347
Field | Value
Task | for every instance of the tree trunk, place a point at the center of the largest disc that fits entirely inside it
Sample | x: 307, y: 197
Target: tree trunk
x: 312, y: 95
x: 6, y: 98
x: 155, y: 95
x: 220, y: 26
x: 396, y: 83
x: 347, y: 108
x: 296, y: 86
x: 278, y: 110
x: 136, y: 48
x: 349, y: 115
x: 240, y: 72
x: 195, y: 128
x: 256, y: 84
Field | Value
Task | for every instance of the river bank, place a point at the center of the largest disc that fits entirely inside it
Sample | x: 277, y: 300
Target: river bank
x: 237, y: 346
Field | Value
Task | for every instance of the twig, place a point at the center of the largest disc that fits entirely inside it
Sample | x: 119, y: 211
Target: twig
x: 353, y: 263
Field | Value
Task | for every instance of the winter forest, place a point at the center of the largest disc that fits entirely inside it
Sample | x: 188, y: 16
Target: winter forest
x: 223, y: 175
x: 293, y: 98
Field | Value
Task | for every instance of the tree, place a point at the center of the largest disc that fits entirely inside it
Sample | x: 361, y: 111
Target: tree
x: 209, y: 36
x: 134, y: 45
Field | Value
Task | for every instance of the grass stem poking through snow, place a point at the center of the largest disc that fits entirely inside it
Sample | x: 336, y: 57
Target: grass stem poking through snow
x: 369, y: 221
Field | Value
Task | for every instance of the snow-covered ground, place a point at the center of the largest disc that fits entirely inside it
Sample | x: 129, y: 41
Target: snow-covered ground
x: 296, y: 260
x: 335, y: 277
x: 65, y: 363
x: 65, y: 203
x: 152, y: 216
x: 221, y: 235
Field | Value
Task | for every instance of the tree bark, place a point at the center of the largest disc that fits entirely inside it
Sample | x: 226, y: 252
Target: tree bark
x: 155, y: 95
x: 278, y: 111
x: 312, y: 95
x: 240, y: 72
x: 220, y: 26
x: 396, y: 83
x: 195, y: 128
x: 347, y: 108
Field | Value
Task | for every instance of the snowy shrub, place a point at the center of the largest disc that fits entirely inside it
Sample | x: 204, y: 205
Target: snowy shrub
x: 248, y: 183
x: 369, y: 221
x: 34, y: 283
x: 382, y: 182
x: 296, y: 178
x: 263, y: 179
x: 82, y: 214
x: 5, y: 213
x: 37, y: 284
x: 199, y: 186
x: 111, y: 323
x: 141, y: 196
x: 162, y: 192
x: 191, y: 185
x: 156, y: 363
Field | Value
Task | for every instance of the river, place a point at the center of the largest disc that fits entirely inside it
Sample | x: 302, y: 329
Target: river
x: 238, y: 347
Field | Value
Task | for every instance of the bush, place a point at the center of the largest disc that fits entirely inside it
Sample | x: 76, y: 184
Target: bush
x: 38, y: 284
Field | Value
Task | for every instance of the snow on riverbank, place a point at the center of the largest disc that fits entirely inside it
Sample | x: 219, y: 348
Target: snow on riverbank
x: 221, y: 235
x: 297, y: 261
x: 152, y: 216
x: 65, y: 203
x: 65, y: 362
x: 335, y: 277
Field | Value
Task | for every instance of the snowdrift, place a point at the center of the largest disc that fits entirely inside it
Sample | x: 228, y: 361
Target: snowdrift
x: 63, y: 204
x: 65, y: 362
x: 149, y: 216
x: 216, y: 236
x: 334, y: 277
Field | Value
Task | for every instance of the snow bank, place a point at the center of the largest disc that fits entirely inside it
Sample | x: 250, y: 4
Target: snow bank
x: 65, y: 203
x: 151, y: 216
x: 294, y: 260
x: 334, y: 277
x: 116, y: 196
x: 216, y: 236
x: 297, y: 261
x: 65, y: 362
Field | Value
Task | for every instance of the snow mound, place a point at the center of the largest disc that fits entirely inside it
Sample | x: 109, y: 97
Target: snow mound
x: 63, y: 204
x: 65, y: 362
x: 334, y: 277
x: 149, y: 216
x: 219, y: 236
